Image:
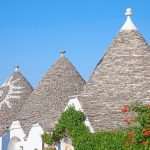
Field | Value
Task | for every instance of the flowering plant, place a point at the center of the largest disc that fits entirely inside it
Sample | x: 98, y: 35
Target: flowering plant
x: 136, y: 136
x: 140, y: 133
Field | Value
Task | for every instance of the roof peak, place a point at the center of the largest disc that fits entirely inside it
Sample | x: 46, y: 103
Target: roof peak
x: 62, y: 54
x: 128, y: 25
x: 16, y: 68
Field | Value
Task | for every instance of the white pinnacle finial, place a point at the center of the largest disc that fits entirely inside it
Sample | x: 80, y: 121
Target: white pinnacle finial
x: 62, y: 54
x: 16, y: 68
x: 128, y: 12
x: 128, y: 24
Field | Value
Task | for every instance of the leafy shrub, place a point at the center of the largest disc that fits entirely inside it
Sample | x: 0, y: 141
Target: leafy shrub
x: 134, y: 137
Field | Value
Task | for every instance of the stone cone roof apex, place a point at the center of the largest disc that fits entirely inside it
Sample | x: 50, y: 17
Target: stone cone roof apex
x: 50, y: 97
x: 62, y: 54
x: 128, y: 25
x: 16, y: 68
x: 122, y: 77
x: 13, y: 93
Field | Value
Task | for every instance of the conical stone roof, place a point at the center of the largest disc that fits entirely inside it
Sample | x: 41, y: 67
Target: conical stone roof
x: 13, y: 94
x: 49, y: 99
x: 121, y: 77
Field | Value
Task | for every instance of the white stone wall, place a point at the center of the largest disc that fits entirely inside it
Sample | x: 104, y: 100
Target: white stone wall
x: 18, y: 138
x: 16, y: 130
x: 34, y: 139
x: 65, y: 146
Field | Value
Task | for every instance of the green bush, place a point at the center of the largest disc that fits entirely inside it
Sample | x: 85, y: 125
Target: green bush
x: 134, y: 137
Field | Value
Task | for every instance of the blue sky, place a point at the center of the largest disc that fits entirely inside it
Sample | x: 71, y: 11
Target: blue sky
x: 33, y: 32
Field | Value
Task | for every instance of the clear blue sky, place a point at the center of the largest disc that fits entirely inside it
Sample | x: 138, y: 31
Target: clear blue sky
x: 32, y: 32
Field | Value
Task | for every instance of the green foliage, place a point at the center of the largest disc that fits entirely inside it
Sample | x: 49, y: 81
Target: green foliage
x: 47, y: 138
x: 134, y: 137
x: 143, y: 112
x: 49, y: 148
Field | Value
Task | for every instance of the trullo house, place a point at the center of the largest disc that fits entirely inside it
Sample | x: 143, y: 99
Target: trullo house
x: 121, y: 77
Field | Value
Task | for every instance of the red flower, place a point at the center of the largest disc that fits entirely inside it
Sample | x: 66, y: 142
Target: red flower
x: 133, y: 140
x: 124, y: 109
x: 147, y: 133
x: 113, y: 131
x: 126, y: 143
x: 130, y: 134
x: 144, y: 142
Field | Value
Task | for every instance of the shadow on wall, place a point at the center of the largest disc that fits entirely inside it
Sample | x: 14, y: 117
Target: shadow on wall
x: 5, y: 140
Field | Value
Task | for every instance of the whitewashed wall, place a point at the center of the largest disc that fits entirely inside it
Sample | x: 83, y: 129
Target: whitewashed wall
x: 16, y: 130
x: 18, y: 138
x: 34, y: 139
